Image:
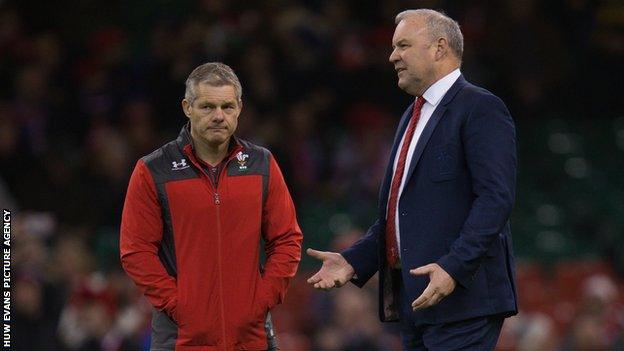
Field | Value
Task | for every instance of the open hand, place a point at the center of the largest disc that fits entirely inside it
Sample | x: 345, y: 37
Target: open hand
x: 335, y: 272
x: 441, y: 285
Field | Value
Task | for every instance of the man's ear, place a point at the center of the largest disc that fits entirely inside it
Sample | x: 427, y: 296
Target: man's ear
x: 186, y: 108
x: 442, y: 48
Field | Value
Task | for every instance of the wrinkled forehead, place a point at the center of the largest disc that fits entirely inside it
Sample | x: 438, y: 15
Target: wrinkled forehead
x: 211, y: 84
x: 410, y: 27
x: 222, y: 92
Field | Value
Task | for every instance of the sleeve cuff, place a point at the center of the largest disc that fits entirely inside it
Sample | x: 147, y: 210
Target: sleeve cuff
x: 270, y: 294
x: 455, y: 268
x: 358, y: 279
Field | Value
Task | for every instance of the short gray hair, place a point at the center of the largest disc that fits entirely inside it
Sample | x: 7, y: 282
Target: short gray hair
x: 439, y: 25
x: 212, y: 73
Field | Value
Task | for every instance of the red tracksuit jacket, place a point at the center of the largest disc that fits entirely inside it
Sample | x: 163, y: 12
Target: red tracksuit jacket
x: 193, y: 248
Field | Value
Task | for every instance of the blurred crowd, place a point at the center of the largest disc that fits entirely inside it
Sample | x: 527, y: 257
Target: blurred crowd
x: 89, y: 87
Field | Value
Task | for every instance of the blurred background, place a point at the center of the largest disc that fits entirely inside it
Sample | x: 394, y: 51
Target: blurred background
x: 88, y: 87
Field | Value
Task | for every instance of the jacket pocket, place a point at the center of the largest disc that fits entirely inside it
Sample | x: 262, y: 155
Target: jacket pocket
x: 198, y: 323
x: 250, y: 325
x: 444, y: 166
x: 260, y: 306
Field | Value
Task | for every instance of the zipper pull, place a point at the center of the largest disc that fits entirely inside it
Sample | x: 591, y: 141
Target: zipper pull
x: 217, y: 200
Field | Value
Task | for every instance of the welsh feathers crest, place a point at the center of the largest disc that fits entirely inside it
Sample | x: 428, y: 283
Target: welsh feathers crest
x: 242, y: 161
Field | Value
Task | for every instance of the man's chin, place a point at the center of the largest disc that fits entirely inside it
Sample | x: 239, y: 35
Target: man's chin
x: 216, y: 141
x: 213, y: 140
x: 403, y: 85
x: 410, y: 87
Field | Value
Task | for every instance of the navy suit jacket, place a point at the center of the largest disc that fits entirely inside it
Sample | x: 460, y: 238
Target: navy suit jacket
x: 454, y: 210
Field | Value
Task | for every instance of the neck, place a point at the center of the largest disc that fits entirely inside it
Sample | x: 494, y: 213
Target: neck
x: 211, y: 154
x: 440, y: 73
x: 445, y: 70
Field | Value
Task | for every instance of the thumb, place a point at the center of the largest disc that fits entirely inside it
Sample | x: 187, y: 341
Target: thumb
x: 319, y: 255
x: 424, y: 270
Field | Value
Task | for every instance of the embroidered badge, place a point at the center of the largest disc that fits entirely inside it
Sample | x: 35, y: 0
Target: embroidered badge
x: 242, y: 161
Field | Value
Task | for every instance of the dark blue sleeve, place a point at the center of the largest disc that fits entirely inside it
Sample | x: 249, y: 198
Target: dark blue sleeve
x: 364, y: 256
x: 489, y: 142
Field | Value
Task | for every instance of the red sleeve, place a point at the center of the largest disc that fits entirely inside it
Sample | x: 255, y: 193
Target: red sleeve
x: 282, y: 237
x: 141, y: 233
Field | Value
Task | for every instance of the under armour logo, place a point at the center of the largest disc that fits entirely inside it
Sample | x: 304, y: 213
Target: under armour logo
x: 179, y: 165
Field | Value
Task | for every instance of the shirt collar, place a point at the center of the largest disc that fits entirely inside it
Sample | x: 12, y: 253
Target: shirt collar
x: 186, y: 141
x: 436, y: 92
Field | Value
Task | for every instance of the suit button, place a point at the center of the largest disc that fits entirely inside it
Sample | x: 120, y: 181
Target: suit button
x: 404, y: 249
x: 403, y: 214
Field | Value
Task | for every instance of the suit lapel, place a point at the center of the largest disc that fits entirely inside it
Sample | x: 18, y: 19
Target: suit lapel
x: 424, y: 138
x: 433, y: 123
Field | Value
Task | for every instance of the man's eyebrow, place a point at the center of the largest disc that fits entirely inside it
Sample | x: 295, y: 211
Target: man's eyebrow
x: 401, y: 41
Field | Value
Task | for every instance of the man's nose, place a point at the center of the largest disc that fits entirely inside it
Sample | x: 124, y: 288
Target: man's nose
x: 394, y: 56
x: 218, y: 114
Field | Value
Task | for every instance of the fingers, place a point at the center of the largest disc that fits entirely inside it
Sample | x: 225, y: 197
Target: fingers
x: 426, y: 302
x: 434, y: 300
x: 334, y: 273
x: 440, y: 285
x: 430, y: 297
x: 424, y: 270
x: 321, y: 283
x: 314, y: 279
x: 319, y: 255
x: 424, y: 298
x: 324, y: 285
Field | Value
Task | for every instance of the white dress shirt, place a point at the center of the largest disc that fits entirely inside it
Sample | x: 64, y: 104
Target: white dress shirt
x: 432, y: 97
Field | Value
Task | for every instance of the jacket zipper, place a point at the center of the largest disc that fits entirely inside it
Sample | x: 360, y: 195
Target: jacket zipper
x: 221, y: 305
x: 217, y: 201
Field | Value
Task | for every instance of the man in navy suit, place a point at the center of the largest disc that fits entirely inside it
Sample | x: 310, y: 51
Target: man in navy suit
x: 442, y: 242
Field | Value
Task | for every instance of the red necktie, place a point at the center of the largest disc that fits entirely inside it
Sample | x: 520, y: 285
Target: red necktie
x: 392, y: 247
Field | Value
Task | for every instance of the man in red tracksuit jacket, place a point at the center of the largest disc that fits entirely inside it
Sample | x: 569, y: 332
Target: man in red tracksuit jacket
x: 195, y: 212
